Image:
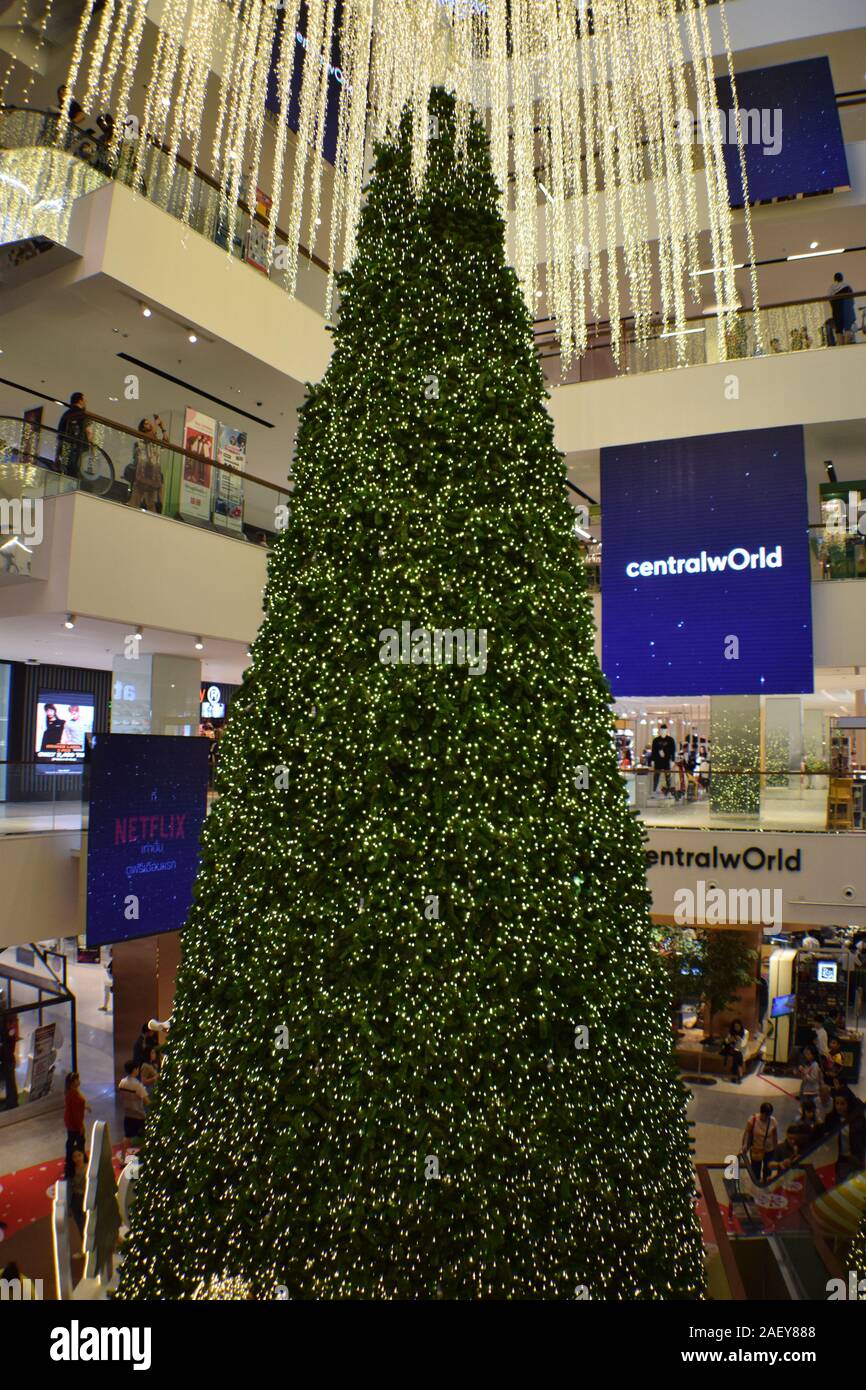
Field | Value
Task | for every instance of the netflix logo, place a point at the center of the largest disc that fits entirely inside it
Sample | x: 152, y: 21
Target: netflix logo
x: 130, y: 830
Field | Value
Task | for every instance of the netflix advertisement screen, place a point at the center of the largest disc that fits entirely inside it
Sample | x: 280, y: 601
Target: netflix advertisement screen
x: 705, y: 573
x: 148, y: 800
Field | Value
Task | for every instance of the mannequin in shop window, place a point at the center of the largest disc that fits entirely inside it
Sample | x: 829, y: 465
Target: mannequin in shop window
x: 662, y: 754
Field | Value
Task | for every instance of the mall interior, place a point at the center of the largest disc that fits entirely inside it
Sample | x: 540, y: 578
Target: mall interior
x: 152, y: 365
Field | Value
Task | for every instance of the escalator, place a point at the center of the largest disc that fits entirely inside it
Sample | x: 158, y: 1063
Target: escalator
x: 787, y: 1239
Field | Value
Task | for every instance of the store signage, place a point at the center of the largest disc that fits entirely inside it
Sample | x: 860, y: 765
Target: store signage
x: 822, y: 882
x: 754, y: 858
x: 736, y: 559
x: 706, y: 541
x: 228, y: 489
x: 148, y: 796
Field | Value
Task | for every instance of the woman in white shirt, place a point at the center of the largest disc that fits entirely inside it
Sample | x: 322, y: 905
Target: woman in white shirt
x: 811, y: 1074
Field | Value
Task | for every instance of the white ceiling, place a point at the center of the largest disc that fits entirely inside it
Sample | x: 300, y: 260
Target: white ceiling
x: 68, y: 340
x: 92, y: 644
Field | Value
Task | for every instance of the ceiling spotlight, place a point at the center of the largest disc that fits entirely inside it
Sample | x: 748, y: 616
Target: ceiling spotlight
x: 813, y: 245
x: 192, y: 337
x: 70, y: 621
x: 146, y: 311
x: 199, y: 644
x: 831, y: 471
x: 138, y: 634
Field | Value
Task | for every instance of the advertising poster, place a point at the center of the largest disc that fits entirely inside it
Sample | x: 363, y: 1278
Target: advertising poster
x: 228, y: 490
x: 148, y: 798
x: 43, y: 1057
x: 199, y: 437
x: 256, y: 253
x: 62, y: 721
x: 705, y: 568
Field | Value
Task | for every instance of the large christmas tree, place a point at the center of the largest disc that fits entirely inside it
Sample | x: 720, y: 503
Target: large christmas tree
x: 421, y: 1042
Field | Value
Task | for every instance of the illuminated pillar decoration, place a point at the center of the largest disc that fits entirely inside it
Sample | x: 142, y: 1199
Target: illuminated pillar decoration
x: 601, y: 118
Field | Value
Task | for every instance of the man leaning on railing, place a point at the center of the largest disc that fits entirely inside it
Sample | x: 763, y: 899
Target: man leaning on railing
x: 74, y: 434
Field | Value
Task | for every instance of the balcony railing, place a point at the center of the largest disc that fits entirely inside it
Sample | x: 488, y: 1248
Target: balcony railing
x: 125, y: 466
x: 167, y: 180
x: 802, y: 325
x: 190, y: 194
x: 41, y: 796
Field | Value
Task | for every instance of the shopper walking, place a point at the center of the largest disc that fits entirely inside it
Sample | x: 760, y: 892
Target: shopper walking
x: 77, y: 1181
x: 8, y: 1047
x: 147, y: 479
x: 760, y: 1140
x: 107, y: 986
x: 74, y: 1108
x: 133, y: 1100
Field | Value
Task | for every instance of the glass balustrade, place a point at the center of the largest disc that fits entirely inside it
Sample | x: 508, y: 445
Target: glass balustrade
x: 802, y: 326
x: 38, y: 463
x: 157, y: 175
x: 815, y: 800
x: 37, y: 797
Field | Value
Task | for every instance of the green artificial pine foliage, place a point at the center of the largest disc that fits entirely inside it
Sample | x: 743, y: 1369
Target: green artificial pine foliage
x: 422, y: 880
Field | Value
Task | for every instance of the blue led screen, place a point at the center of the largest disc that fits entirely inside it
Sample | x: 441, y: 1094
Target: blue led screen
x: 148, y: 797
x: 792, y: 136
x: 704, y: 540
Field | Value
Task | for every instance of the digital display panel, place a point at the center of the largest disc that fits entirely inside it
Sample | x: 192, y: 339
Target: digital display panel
x: 792, y: 137
x: 335, y: 80
x: 705, y: 573
x: 783, y: 1004
x: 148, y: 798
x: 63, y: 719
x: 827, y: 972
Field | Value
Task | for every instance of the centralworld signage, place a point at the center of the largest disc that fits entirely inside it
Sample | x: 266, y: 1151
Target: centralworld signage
x: 705, y: 566
x: 754, y: 858
x: 737, y: 559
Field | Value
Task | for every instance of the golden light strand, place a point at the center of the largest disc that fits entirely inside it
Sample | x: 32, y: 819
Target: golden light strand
x: 582, y: 99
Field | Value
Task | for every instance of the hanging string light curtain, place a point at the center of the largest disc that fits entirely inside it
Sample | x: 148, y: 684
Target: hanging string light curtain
x: 592, y: 108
